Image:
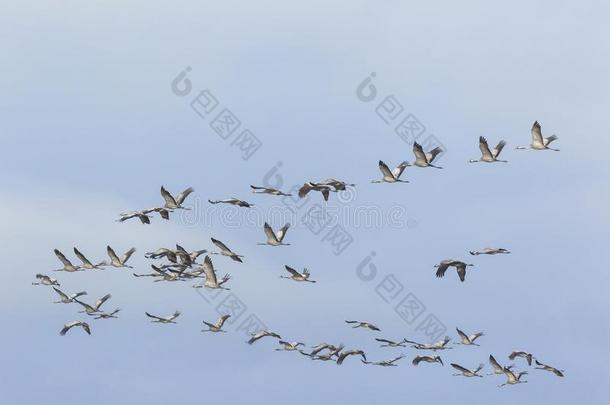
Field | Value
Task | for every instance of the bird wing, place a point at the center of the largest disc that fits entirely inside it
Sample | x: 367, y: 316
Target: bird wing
x: 550, y: 139
x: 416, y: 360
x: 157, y: 270
x: 461, y: 271
x: 397, y: 172
x: 61, y: 293
x: 462, y: 334
x: 182, y: 196
x: 342, y: 357
x: 442, y: 268
x: 112, y: 255
x: 513, y: 355
x: 82, y: 257
x: 221, y: 246
x: 495, y: 364
x: 282, y: 232
x: 154, y: 316
x: 326, y: 193
x: 537, y: 134
x: 67, y: 327
x: 208, y: 269
x: 306, y: 188
x: 420, y: 156
x: 433, y: 154
x: 385, y: 341
x: 558, y: 373
x: 86, y: 327
x: 352, y: 321
x: 127, y: 255
x: 460, y: 368
x: 475, y: 336
x: 256, y: 336
x: 271, y: 237
x: 485, y: 148
x: 509, y: 374
x: 174, y: 316
x: 62, y: 258
x: 99, y: 302
x: 498, y: 149
x: 85, y: 305
x: 385, y: 170
x: 295, y: 274
x: 266, y: 189
x: 169, y: 199
x: 221, y: 321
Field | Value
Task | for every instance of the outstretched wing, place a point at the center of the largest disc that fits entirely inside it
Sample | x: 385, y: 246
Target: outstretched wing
x: 169, y: 199
x: 268, y: 189
x: 61, y: 294
x: 293, y: 272
x: 282, y: 232
x: 462, y: 334
x: 305, y: 189
x: 68, y: 326
x: 163, y: 213
x: 397, y: 172
x: 485, y: 148
x: 99, y: 302
x: 537, y: 134
x: 221, y: 245
x: 86, y: 327
x: 433, y: 154
x: 208, y: 269
x: 460, y: 368
x: 82, y: 257
x: 385, y: 170
x: 154, y: 316
x: 550, y: 139
x: 182, y: 196
x: 127, y: 255
x: 498, y: 149
x: 221, y: 321
x: 442, y: 268
x: 269, y: 232
x: 418, y: 151
x: 62, y: 258
x: 496, y: 366
x: 112, y: 255
x: 461, y: 271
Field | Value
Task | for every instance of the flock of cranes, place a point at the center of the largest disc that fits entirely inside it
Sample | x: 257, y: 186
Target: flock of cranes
x: 182, y: 265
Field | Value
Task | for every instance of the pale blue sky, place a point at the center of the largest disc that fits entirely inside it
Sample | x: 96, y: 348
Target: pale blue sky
x: 90, y: 128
